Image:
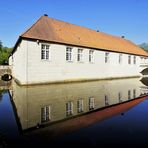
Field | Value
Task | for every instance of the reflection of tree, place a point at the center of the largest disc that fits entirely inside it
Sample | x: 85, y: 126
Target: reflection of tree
x: 1, y: 96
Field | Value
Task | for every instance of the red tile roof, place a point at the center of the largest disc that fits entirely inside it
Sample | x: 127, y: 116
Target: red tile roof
x: 74, y: 124
x: 52, y: 30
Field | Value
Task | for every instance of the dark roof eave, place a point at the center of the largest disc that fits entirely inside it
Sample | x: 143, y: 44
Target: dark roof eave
x: 26, y: 38
x: 15, y: 46
x: 68, y: 44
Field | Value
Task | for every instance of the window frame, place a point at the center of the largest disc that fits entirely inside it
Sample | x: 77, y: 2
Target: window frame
x: 80, y: 55
x: 80, y: 105
x: 45, y: 114
x: 129, y: 94
x: 129, y: 59
x: 120, y: 97
x: 120, y: 58
x: 91, y: 103
x: 134, y: 93
x: 106, y: 100
x: 107, y: 57
x: 45, y: 52
x: 69, y: 108
x: 69, y: 55
x: 134, y: 60
x: 91, y: 56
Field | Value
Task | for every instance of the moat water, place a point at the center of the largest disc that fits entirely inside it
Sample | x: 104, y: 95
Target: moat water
x: 98, y: 113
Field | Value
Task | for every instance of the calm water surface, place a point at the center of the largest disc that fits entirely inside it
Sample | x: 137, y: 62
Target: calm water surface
x: 95, y: 113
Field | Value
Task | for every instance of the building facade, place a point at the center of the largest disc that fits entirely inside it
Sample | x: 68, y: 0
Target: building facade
x: 53, y: 51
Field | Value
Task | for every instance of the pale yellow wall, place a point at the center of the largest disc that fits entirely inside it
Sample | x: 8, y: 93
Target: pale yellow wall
x: 28, y: 67
x: 19, y: 62
x: 29, y: 100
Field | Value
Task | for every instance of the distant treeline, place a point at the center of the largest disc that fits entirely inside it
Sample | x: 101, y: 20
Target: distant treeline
x: 4, y: 54
x: 144, y: 46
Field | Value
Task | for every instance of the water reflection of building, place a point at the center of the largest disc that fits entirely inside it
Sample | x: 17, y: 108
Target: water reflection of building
x: 48, y: 103
x: 144, y: 88
x: 5, y: 85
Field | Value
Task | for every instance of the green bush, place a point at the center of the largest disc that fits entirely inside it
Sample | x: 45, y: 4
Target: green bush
x: 4, y: 54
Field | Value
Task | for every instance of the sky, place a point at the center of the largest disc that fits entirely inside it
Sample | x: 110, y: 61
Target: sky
x: 127, y: 18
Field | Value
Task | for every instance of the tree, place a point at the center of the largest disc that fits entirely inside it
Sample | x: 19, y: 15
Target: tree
x: 4, y: 54
x: 1, y: 46
x: 144, y: 46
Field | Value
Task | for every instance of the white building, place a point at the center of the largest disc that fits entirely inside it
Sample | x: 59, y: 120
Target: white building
x: 53, y: 51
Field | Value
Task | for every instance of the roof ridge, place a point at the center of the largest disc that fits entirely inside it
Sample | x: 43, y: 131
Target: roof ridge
x: 84, y: 27
x: 59, y: 31
x: 32, y: 26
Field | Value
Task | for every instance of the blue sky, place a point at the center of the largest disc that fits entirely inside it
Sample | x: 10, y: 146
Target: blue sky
x: 117, y: 17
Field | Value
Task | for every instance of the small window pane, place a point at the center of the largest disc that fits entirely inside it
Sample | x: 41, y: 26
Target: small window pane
x: 129, y: 94
x: 106, y: 100
x: 134, y: 93
x: 80, y: 55
x: 120, y: 97
x: 120, y: 58
x: 80, y: 106
x: 106, y: 57
x: 134, y: 59
x: 43, y: 46
x: 91, y: 52
x: 91, y: 103
x: 129, y: 59
x: 45, y: 114
x: 69, y: 108
x: 43, y: 54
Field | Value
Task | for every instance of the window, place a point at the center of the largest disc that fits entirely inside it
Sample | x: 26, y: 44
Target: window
x: 129, y: 94
x: 142, y: 60
x: 120, y: 58
x: 45, y: 114
x: 106, y: 100
x: 91, y: 103
x: 134, y: 60
x: 145, y: 60
x: 80, y: 105
x: 69, y: 108
x: 106, y: 57
x: 68, y: 54
x: 129, y: 59
x: 120, y: 97
x: 44, y: 52
x: 91, y: 52
x: 134, y: 93
x: 80, y: 55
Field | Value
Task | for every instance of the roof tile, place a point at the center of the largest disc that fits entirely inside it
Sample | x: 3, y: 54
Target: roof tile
x: 49, y: 29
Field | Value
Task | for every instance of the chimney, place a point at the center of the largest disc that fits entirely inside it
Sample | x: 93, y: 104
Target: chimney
x: 45, y: 14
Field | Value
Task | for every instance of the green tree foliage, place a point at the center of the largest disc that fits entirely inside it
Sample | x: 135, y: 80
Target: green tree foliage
x: 4, y: 54
x: 144, y: 46
x: 0, y: 45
